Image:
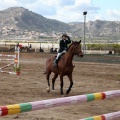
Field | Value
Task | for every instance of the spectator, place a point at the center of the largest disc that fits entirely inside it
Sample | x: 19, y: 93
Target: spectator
x: 110, y: 52
x: 55, y: 50
x: 51, y: 49
x: 19, y: 45
x: 30, y: 47
x: 41, y: 50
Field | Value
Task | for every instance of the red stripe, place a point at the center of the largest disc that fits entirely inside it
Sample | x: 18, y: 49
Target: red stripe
x: 103, y: 95
x: 4, y: 110
x: 103, y: 117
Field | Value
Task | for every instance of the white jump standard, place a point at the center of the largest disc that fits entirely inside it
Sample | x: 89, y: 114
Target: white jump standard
x: 15, y: 62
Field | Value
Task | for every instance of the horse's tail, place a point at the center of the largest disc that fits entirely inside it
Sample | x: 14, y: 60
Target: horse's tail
x: 45, y: 70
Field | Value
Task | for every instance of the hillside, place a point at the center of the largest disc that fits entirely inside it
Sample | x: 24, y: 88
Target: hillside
x: 22, y: 23
x: 18, y: 18
x: 97, y: 28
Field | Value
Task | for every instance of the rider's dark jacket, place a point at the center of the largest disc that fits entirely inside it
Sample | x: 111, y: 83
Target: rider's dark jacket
x: 63, y: 45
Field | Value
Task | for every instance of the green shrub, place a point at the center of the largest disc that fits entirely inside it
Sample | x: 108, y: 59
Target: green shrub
x: 114, y: 47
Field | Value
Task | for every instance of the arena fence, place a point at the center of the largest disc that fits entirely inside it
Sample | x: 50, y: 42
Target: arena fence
x: 15, y: 62
x: 99, y: 58
x: 58, y: 102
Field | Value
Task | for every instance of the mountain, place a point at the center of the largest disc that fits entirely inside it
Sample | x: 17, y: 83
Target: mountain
x: 97, y: 28
x: 20, y: 22
x: 23, y: 19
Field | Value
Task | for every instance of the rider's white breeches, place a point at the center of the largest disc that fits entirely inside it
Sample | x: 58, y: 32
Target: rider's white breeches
x: 64, y: 51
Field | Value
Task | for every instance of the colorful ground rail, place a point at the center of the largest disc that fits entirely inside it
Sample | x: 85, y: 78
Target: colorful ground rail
x: 15, y: 63
x: 51, y: 103
x: 109, y: 116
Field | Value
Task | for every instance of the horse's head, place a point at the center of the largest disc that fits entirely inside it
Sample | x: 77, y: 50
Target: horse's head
x: 75, y: 48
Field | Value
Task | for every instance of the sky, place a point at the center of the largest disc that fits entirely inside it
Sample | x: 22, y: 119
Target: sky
x: 69, y: 10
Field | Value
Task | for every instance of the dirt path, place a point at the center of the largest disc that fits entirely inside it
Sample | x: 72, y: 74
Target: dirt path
x: 31, y: 86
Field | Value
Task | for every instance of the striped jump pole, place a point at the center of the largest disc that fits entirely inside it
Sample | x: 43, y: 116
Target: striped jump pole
x: 6, y: 59
x: 3, y: 55
x: 6, y: 66
x: 13, y: 73
x: 109, y: 116
x: 58, y: 102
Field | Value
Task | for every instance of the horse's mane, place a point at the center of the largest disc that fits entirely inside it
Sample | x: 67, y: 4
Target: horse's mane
x: 73, y: 43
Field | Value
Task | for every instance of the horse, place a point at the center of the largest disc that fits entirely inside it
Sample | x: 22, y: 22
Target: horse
x: 25, y: 48
x: 64, y: 67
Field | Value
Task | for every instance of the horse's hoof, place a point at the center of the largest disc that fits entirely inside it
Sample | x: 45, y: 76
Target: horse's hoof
x: 53, y: 90
x: 48, y: 90
x: 66, y: 95
x: 67, y: 92
x: 62, y: 94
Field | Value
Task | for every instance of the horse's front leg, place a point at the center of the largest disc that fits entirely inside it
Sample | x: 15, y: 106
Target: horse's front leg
x: 61, y: 84
x: 71, y: 84
x: 47, y: 77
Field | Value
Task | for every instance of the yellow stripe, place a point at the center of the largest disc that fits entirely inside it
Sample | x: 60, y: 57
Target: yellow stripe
x: 15, y: 60
x: 97, y: 118
x: 98, y: 96
x: 13, y: 109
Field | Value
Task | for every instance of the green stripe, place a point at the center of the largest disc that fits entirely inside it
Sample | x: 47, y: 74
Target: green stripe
x: 25, y: 107
x: 89, y: 119
x: 90, y: 97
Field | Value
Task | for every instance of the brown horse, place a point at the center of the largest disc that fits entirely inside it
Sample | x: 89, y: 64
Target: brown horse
x: 23, y: 48
x: 65, y: 66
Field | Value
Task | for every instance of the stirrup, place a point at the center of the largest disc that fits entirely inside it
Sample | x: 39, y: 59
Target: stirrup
x: 55, y: 62
x: 55, y: 65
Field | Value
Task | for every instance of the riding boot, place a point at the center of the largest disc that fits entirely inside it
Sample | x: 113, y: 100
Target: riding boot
x: 55, y: 62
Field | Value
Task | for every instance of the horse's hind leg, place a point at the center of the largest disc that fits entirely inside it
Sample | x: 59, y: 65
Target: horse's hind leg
x: 61, y: 84
x: 48, y: 77
x: 71, y: 84
x: 53, y: 80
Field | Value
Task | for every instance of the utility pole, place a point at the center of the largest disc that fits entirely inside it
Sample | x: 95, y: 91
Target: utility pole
x: 84, y: 13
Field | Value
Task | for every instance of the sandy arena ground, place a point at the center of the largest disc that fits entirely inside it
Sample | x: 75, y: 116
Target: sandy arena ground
x: 31, y: 86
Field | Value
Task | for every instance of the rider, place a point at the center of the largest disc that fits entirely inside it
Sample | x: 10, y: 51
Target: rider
x: 63, y: 47
x: 19, y: 45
